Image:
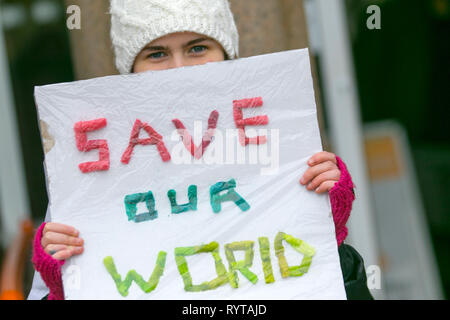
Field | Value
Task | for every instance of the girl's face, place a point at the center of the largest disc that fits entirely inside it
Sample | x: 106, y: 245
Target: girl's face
x: 178, y: 50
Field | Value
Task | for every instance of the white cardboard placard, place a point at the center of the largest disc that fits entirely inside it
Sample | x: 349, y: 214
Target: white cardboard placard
x: 266, y: 177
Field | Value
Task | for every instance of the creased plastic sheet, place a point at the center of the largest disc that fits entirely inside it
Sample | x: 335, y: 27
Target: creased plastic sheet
x: 272, y: 211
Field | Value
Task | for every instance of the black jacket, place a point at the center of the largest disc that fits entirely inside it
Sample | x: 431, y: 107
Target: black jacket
x: 354, y: 273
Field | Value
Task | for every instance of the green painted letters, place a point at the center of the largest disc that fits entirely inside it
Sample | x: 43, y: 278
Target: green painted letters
x: 180, y: 259
x: 132, y: 275
x: 301, y: 247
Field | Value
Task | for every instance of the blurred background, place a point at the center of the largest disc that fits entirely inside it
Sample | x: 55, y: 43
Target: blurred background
x: 381, y: 71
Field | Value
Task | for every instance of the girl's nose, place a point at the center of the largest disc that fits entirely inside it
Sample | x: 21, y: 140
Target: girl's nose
x: 178, y: 60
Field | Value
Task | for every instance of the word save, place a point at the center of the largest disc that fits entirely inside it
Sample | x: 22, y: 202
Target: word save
x: 81, y: 129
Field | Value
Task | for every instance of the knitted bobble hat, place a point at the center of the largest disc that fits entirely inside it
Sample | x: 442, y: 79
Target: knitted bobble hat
x: 136, y: 23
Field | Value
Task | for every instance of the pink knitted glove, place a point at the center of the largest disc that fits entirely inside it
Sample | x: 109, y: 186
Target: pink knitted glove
x: 49, y: 268
x: 341, y: 198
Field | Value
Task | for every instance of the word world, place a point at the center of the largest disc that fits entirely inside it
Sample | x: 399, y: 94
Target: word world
x: 224, y: 276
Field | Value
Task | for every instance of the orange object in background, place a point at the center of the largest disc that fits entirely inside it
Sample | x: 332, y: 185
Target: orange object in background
x: 11, y: 295
x: 383, y: 157
x: 12, y: 269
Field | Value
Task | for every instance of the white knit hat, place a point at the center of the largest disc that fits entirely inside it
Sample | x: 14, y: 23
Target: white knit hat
x: 136, y: 23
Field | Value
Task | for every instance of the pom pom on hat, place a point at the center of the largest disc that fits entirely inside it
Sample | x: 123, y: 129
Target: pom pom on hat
x: 136, y: 23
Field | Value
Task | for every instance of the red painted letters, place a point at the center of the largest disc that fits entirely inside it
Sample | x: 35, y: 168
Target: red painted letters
x: 241, y: 123
x: 197, y: 152
x: 154, y: 138
x: 85, y: 145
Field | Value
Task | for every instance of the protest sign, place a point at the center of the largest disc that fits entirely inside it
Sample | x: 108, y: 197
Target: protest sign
x: 184, y: 183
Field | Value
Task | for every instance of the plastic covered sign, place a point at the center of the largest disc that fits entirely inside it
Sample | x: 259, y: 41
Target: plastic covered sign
x: 184, y: 183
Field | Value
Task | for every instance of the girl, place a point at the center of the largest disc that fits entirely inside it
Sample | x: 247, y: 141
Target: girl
x: 164, y: 34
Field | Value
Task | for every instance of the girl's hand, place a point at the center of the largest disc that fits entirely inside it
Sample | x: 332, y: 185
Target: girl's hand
x: 61, y: 241
x: 323, y: 172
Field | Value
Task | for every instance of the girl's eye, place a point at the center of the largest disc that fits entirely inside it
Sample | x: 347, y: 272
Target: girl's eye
x: 198, y: 49
x: 157, y: 55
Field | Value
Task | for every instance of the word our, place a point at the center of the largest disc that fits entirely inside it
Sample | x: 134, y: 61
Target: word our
x: 216, y: 199
x: 224, y: 276
x: 81, y: 129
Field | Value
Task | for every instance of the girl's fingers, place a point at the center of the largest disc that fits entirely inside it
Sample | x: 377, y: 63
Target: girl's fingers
x: 322, y: 157
x: 314, y: 171
x: 62, y: 255
x: 60, y: 238
x: 61, y: 241
x: 51, y: 249
x: 325, y: 186
x: 60, y: 228
x: 330, y: 175
x: 67, y: 253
